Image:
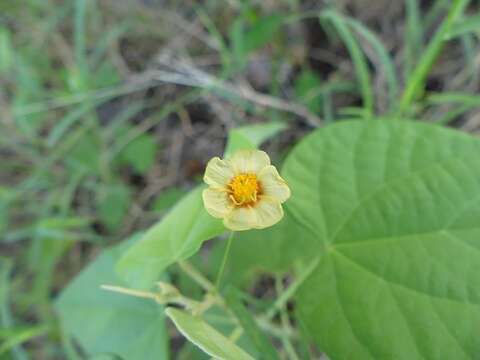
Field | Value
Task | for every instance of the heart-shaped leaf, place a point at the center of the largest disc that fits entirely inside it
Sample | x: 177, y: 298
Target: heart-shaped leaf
x: 395, y: 206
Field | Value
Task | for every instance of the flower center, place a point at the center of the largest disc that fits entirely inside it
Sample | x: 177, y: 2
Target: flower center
x: 244, y: 189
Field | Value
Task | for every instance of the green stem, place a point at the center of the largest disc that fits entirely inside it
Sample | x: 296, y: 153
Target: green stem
x: 287, y: 344
x: 196, y: 276
x: 224, y: 261
x: 287, y: 294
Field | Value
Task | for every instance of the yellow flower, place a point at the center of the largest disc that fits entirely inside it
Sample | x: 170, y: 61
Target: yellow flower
x: 245, y: 191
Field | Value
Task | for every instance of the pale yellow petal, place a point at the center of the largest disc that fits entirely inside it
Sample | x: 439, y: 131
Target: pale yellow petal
x: 265, y: 213
x: 268, y: 212
x: 249, y: 161
x: 240, y: 219
x: 218, y: 172
x: 216, y: 202
x: 273, y: 185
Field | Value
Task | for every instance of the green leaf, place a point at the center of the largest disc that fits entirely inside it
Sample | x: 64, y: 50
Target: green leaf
x: 205, y: 337
x: 259, y: 34
x: 262, y: 32
x: 394, y: 206
x: 140, y: 153
x: 178, y: 236
x: 104, y: 322
x: 251, y: 136
x: 85, y: 154
x: 308, y: 90
x: 113, y: 201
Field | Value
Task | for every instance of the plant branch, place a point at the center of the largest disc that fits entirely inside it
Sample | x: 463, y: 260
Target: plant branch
x: 287, y: 295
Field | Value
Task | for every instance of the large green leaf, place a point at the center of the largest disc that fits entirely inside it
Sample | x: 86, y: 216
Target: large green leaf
x: 395, y: 208
x: 104, y: 322
x: 206, y: 337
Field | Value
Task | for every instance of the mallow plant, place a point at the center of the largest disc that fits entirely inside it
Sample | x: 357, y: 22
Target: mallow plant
x: 375, y: 221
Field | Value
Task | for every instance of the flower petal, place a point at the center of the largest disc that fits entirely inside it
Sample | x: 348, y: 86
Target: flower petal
x: 249, y: 161
x: 273, y: 185
x: 218, y: 172
x: 265, y: 213
x: 268, y: 211
x: 240, y: 219
x: 216, y: 202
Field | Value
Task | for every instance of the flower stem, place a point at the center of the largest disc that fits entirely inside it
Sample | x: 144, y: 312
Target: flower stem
x: 224, y: 261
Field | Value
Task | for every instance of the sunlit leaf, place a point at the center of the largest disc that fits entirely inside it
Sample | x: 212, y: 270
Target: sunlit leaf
x: 394, y: 206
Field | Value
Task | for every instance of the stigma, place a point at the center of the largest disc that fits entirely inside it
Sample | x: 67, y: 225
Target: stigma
x: 244, y: 190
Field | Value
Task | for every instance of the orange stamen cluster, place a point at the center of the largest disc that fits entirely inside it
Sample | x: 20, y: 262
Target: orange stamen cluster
x: 244, y: 190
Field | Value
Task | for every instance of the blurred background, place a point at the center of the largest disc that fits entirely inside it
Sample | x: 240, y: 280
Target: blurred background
x: 110, y: 109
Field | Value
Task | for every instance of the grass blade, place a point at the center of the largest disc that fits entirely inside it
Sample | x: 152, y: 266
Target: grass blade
x: 358, y: 58
x: 6, y: 321
x: 413, y: 35
x: 454, y: 97
x: 80, y: 34
x: 467, y: 25
x: 416, y: 83
x: 383, y: 56
x: 257, y: 336
x: 463, y: 102
x: 20, y: 337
